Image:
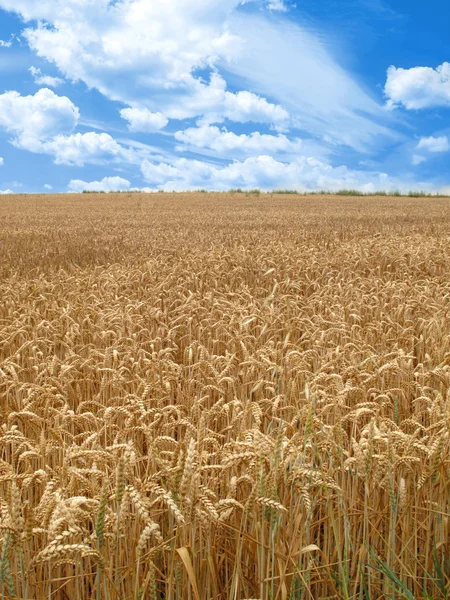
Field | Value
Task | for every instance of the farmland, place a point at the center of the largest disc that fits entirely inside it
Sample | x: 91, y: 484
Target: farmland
x: 224, y: 397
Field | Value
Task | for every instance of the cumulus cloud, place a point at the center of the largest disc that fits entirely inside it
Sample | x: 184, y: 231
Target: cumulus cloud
x: 143, y: 120
x: 209, y: 61
x: 47, y: 186
x: 1, y: 161
x: 32, y: 119
x: 145, y: 53
x: 107, y: 184
x: 264, y: 172
x: 44, y: 124
x: 215, y: 104
x: 434, y: 144
x: 80, y: 148
x: 6, y: 192
x: 226, y: 142
x: 127, y: 50
x: 277, y: 5
x: 418, y: 87
x: 6, y: 44
x: 46, y: 80
x: 159, y: 55
x: 418, y: 159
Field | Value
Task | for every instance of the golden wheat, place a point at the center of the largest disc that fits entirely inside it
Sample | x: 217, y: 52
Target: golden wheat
x: 220, y: 397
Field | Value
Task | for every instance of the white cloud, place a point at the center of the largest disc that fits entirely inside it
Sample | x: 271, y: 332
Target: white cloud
x: 320, y: 96
x: 277, y: 5
x: 246, y: 106
x: 35, y: 118
x: 434, y: 144
x: 80, y: 148
x: 47, y: 186
x: 128, y: 50
x: 6, y: 44
x: 262, y: 172
x: 215, y: 103
x: 142, y: 119
x: 1, y: 161
x: 226, y: 142
x: 107, y: 184
x: 6, y: 192
x: 46, y: 80
x: 44, y: 123
x: 418, y: 159
x: 418, y: 87
x: 149, y: 55
x: 163, y: 172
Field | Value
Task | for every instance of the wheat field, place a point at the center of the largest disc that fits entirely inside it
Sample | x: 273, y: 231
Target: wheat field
x: 224, y: 397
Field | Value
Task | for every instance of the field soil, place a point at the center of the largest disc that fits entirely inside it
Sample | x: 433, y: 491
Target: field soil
x: 224, y: 397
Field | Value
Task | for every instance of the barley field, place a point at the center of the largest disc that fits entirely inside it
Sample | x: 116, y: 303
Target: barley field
x: 224, y: 397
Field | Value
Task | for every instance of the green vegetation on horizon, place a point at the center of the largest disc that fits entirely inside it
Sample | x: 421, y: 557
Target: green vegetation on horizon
x: 256, y: 191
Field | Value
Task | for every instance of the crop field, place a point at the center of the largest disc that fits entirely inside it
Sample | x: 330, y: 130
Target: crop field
x: 224, y: 397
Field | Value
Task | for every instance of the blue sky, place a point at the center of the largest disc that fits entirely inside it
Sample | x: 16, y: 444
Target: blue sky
x: 219, y: 94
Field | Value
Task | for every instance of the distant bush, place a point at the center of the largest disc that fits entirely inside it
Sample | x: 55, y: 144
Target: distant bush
x: 348, y: 193
x: 287, y: 192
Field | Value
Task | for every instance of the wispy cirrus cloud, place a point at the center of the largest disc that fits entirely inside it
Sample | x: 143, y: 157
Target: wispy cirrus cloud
x: 322, y: 98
